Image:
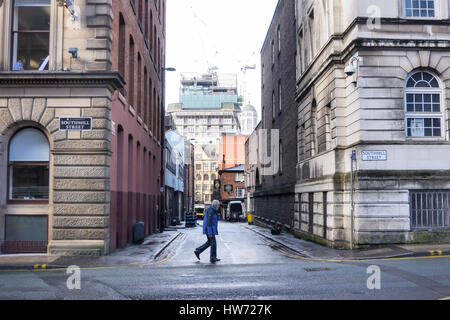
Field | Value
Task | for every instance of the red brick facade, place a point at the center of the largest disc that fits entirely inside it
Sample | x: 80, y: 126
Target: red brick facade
x: 138, y: 46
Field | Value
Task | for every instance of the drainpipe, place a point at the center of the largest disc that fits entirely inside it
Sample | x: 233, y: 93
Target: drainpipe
x: 353, y: 159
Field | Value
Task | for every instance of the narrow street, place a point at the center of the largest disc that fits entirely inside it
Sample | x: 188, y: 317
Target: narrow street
x: 251, y: 269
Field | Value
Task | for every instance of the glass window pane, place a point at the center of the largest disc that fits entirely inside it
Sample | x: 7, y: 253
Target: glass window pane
x: 26, y: 228
x: 428, y: 133
x: 32, y: 49
x: 33, y: 18
x: 436, y: 132
x: 29, y: 145
x: 436, y: 122
x: 29, y: 182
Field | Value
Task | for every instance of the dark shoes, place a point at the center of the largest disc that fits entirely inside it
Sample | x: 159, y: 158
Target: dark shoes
x: 197, y: 254
x: 214, y: 260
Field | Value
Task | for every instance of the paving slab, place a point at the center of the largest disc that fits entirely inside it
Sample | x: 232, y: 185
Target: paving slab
x: 141, y: 254
x: 316, y: 251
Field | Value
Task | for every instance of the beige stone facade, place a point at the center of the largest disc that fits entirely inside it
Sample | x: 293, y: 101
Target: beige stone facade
x: 78, y: 205
x: 368, y: 112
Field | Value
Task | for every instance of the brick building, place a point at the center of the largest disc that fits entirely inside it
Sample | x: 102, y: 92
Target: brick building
x: 274, y: 195
x: 232, y: 181
x: 84, y: 91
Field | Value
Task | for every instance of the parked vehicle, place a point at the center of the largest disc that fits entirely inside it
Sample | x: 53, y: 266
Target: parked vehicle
x: 200, y: 210
x: 235, y: 211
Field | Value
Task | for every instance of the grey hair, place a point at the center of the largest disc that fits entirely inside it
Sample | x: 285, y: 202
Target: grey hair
x: 215, y: 202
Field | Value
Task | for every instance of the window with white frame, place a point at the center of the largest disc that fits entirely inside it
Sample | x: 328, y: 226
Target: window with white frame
x: 423, y: 106
x: 420, y: 8
x: 239, y: 177
x: 31, y: 35
x: 240, y: 192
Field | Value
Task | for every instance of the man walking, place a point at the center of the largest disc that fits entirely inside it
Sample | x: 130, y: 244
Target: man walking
x: 210, y: 222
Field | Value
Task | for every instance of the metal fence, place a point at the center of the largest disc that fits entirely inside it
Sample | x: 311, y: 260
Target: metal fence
x: 23, y: 246
x: 430, y: 210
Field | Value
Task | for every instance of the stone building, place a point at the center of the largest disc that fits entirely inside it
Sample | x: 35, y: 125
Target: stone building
x: 274, y: 196
x: 373, y: 78
x: 206, y: 170
x: 80, y: 128
x: 248, y: 119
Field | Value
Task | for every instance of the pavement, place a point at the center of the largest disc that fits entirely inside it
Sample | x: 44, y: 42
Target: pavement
x: 150, y: 251
x: 313, y: 250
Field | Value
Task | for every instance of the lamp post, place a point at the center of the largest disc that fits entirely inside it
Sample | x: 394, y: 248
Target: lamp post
x: 162, y: 208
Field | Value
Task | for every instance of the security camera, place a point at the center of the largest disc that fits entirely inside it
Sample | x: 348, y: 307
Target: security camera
x: 74, y: 52
x: 350, y: 70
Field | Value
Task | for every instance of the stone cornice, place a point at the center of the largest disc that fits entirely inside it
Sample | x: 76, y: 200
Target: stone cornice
x: 338, y: 57
x: 113, y: 80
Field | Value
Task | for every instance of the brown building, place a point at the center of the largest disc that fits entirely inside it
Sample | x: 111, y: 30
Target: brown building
x: 83, y: 87
x: 232, y: 183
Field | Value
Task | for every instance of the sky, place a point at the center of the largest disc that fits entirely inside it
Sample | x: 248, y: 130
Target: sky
x: 226, y: 34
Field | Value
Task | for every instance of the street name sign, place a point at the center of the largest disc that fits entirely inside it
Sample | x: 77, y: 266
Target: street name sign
x: 79, y: 124
x: 374, y: 155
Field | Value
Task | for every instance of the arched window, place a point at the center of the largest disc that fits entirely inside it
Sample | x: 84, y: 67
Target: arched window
x: 198, y: 177
x: 205, y: 177
x: 29, y: 154
x: 423, y: 105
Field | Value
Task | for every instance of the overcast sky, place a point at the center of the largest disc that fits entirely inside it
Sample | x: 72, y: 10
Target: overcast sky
x: 227, y: 34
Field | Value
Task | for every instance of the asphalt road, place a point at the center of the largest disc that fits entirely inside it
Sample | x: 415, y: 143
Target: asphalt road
x: 250, y: 269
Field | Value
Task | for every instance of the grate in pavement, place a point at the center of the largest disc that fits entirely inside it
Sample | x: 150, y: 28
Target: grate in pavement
x: 316, y: 269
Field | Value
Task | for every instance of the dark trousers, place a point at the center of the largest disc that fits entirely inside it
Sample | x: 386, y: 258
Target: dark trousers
x: 210, y: 243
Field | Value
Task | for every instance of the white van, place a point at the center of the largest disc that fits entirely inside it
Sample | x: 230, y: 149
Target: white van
x: 235, y: 211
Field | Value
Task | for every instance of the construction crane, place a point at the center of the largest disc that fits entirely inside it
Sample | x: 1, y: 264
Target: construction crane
x: 204, y: 25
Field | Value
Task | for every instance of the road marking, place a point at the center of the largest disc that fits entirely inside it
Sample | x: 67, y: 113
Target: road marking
x: 446, y: 298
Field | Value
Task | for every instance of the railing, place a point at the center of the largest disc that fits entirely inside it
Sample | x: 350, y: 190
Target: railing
x: 23, y: 246
x: 430, y: 210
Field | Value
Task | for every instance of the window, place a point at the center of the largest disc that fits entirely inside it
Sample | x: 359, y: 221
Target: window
x: 279, y: 95
x: 429, y: 209
x: 205, y: 177
x: 240, y: 193
x: 273, y: 53
x: 29, y: 166
x: 31, y: 35
x: 423, y: 96
x: 274, y: 112
x: 420, y: 8
x: 280, y: 158
x: 239, y: 177
x: 205, y: 167
x: 198, y: 167
x: 279, y: 39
